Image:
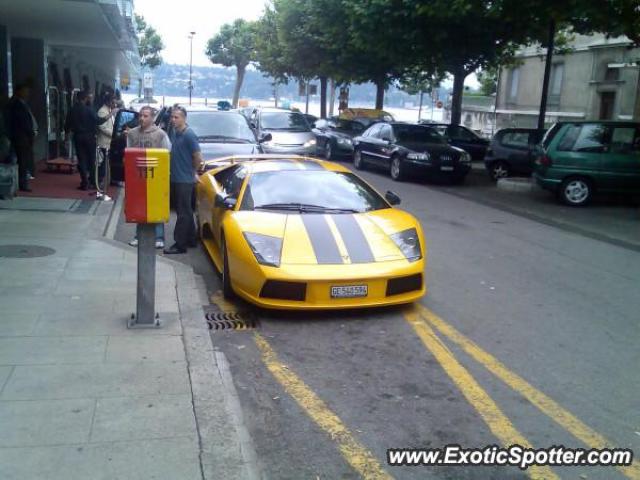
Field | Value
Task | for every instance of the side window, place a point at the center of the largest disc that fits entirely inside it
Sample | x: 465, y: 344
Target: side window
x: 516, y: 139
x: 459, y: 133
x: 625, y: 140
x: 125, y: 118
x: 569, y: 139
x: 224, y: 178
x: 442, y: 131
x: 592, y: 138
x: 235, y: 181
x: 386, y: 132
x: 373, y: 131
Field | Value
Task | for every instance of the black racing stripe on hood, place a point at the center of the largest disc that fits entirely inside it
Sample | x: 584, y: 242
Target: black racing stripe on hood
x: 322, y: 240
x: 354, y: 239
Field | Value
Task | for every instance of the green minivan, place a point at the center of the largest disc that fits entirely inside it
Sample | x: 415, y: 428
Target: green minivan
x: 576, y: 159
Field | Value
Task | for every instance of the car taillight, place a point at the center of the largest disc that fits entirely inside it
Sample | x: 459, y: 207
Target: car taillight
x: 544, y: 160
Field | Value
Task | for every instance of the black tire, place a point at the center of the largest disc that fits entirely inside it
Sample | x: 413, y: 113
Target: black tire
x: 499, y: 170
x: 227, y: 289
x: 396, y: 169
x: 328, y: 150
x: 576, y: 191
x: 358, y: 163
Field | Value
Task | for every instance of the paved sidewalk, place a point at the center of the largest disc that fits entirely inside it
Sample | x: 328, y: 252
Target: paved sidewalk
x: 82, y: 396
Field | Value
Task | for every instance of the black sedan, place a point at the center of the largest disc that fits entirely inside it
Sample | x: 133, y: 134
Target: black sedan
x: 464, y: 138
x: 334, y: 137
x: 408, y: 151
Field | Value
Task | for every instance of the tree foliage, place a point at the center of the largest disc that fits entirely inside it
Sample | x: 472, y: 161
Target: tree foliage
x: 149, y: 44
x: 234, y: 45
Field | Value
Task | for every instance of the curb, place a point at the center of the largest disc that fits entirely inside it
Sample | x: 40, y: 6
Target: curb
x: 516, y: 184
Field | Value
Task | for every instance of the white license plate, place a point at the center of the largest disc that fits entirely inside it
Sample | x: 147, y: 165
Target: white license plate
x: 446, y: 168
x: 349, y: 291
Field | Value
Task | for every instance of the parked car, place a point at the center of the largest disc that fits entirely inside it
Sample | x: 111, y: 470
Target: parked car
x: 409, y: 150
x: 334, y: 136
x: 464, y: 138
x: 289, y: 131
x: 512, y: 152
x: 577, y: 159
x: 137, y: 103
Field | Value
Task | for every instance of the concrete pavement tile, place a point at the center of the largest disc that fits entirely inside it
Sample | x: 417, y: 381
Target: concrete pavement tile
x: 51, y: 350
x: 96, y: 380
x: 146, y: 417
x: 33, y: 229
x: 91, y: 273
x: 27, y: 280
x: 18, y: 324
x: 155, y: 348
x: 45, y: 422
x: 101, y: 322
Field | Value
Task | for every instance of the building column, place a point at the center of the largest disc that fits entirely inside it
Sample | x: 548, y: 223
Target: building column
x: 5, y: 65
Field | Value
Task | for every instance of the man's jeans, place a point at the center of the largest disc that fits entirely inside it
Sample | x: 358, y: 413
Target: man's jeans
x: 184, y: 234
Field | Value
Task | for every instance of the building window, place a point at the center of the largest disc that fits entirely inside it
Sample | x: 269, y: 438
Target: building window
x: 611, y: 75
x: 513, y: 85
x: 557, y: 72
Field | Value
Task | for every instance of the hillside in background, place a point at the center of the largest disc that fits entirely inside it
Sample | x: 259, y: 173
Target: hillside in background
x: 218, y: 82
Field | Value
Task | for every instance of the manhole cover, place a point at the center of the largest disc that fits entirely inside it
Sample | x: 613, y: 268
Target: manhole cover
x: 25, y: 251
x: 231, y: 321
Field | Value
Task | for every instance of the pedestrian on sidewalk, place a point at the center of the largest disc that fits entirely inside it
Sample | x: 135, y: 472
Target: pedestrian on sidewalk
x: 23, y: 129
x: 106, y: 115
x: 148, y: 135
x: 82, y: 121
x: 186, y: 160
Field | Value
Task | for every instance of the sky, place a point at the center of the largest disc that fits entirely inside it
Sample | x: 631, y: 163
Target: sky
x: 174, y: 19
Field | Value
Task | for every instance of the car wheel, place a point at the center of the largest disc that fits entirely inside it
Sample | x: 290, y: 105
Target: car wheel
x: 357, y: 160
x: 499, y: 170
x: 328, y: 151
x: 396, y: 169
x: 576, y: 191
x: 227, y: 289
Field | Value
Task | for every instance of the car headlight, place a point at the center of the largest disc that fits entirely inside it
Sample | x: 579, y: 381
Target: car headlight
x: 310, y: 143
x: 465, y: 157
x: 345, y: 141
x: 423, y: 157
x: 267, y: 249
x: 408, y: 243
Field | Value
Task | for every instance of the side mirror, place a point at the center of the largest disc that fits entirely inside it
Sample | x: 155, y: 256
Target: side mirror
x: 225, y: 202
x: 392, y: 198
x: 265, y: 137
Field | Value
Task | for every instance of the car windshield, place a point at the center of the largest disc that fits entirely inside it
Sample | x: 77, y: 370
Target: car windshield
x: 349, y: 126
x: 417, y: 134
x: 292, y: 121
x: 320, y: 189
x: 220, y: 125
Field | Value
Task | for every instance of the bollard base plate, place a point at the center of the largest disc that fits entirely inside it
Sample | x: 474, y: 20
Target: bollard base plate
x: 132, y: 324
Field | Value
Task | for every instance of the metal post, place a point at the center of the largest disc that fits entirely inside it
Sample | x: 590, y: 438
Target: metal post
x: 190, y: 64
x: 146, y: 293
x: 494, y: 127
x: 547, y: 71
x: 420, y: 108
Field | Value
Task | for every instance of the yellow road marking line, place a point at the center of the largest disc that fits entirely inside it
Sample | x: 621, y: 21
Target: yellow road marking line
x: 544, y: 403
x: 357, y: 455
x: 497, y: 421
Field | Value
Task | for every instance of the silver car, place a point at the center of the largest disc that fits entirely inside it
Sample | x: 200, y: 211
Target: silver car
x: 290, y: 131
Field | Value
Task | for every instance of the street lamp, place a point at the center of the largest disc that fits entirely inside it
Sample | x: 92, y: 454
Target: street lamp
x: 191, y: 34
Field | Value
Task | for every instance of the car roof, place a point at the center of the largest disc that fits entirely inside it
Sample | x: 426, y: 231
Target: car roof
x: 276, y: 110
x: 602, y: 122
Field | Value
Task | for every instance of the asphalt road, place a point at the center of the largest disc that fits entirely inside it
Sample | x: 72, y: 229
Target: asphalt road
x: 528, y: 334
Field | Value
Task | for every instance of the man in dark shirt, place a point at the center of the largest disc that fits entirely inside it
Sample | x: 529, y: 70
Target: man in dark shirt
x: 83, y: 122
x: 186, y: 159
x: 22, y: 131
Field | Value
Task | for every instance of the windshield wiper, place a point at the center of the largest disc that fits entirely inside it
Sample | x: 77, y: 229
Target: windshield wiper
x: 304, y: 208
x: 224, y: 137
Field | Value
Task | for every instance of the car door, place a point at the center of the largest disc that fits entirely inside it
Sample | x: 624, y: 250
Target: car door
x: 125, y: 119
x: 517, y: 149
x: 384, y: 145
x: 366, y: 143
x: 621, y: 162
x: 228, y: 183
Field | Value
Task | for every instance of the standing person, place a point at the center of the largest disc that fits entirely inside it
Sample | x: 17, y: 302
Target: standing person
x: 82, y: 121
x: 186, y: 160
x: 148, y: 135
x: 105, y: 130
x: 22, y: 132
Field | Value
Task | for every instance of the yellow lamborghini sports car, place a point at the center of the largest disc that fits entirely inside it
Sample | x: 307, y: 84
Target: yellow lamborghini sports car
x: 298, y: 233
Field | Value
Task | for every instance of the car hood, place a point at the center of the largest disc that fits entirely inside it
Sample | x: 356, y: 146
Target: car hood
x: 290, y: 138
x: 216, y: 150
x: 313, y: 239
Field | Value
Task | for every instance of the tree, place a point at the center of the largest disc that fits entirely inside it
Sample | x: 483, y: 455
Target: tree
x: 149, y: 44
x: 488, y: 79
x: 234, y: 45
x: 416, y: 82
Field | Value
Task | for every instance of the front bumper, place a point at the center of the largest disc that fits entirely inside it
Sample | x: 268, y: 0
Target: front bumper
x: 319, y: 279
x: 419, y: 167
x: 290, y: 149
